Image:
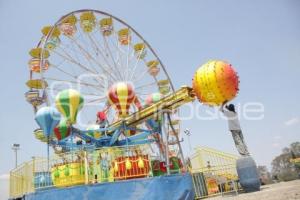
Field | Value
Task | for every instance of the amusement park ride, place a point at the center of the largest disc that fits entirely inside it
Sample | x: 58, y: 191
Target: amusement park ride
x: 96, y: 85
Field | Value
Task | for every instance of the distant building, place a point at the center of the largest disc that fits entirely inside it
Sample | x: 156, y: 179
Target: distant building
x: 214, y: 172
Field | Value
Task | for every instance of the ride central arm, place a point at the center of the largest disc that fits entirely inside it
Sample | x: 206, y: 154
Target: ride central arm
x: 182, y: 96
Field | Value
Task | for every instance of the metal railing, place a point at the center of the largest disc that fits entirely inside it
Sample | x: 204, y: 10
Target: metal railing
x: 214, y: 172
x: 88, y: 167
x: 111, y: 165
x: 21, y: 179
x: 215, y: 180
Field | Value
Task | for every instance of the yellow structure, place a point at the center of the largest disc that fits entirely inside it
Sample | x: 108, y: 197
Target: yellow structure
x: 69, y: 174
x: 106, y: 25
x: 124, y: 36
x: 295, y: 161
x: 214, y: 172
x: 87, y: 21
x: 21, y: 180
x: 207, y: 159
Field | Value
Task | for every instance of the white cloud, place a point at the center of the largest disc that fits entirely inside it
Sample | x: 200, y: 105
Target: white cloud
x: 276, y: 145
x: 277, y: 137
x: 292, y: 121
x: 4, y: 176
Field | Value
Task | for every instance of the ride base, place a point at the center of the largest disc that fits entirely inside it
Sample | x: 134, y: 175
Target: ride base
x: 171, y: 187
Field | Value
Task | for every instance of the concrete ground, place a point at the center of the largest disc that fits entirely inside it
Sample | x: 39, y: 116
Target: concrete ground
x: 279, y: 191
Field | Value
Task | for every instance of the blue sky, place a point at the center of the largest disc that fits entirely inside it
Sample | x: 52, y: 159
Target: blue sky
x: 260, y: 38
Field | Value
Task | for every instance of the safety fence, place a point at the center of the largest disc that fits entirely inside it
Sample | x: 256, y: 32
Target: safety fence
x: 218, y: 176
x: 89, y: 167
x: 214, y: 172
x: 19, y: 179
x: 215, y: 180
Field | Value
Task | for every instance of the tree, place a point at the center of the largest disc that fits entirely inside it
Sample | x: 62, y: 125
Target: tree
x: 264, y: 174
x: 282, y: 168
x: 295, y: 149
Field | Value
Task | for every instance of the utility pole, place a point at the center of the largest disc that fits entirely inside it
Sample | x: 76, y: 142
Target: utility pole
x: 15, y: 148
x: 187, y: 132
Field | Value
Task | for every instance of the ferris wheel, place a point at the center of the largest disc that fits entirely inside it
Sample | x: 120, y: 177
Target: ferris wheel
x: 98, y: 55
